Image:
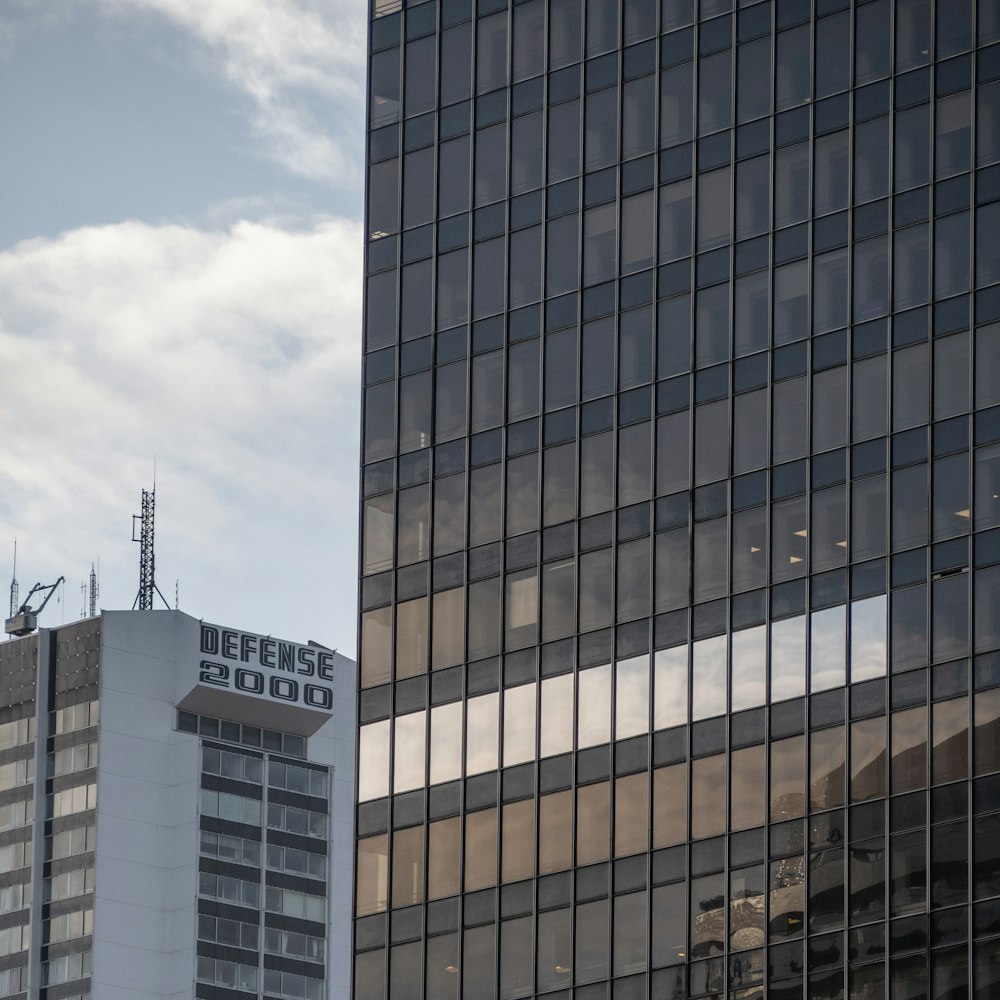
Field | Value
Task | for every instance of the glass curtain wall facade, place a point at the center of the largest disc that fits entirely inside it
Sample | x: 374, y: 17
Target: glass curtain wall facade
x: 680, y: 568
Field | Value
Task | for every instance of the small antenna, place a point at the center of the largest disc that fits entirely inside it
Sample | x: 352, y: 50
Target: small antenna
x: 147, y: 558
x: 177, y: 595
x: 14, y: 604
x: 83, y: 599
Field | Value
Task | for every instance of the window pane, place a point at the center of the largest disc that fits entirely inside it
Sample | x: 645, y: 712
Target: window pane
x: 708, y: 777
x: 827, y: 768
x: 748, y: 807
x: 787, y: 778
x: 480, y: 849
x: 631, y: 697
x: 482, y: 733
x: 556, y: 715
x: 749, y: 668
x: 408, y: 757
x: 518, y: 841
x: 555, y: 832
x: 519, y: 725
x: 593, y: 823
x: 909, y: 750
x: 788, y: 658
x: 594, y: 706
x: 868, y: 759
x: 670, y: 706
x: 443, y: 847
x: 669, y: 806
x: 446, y: 743
x: 631, y: 815
x: 709, y: 670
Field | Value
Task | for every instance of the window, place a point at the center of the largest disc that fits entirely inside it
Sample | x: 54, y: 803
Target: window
x: 289, y: 859
x: 70, y: 720
x: 228, y: 890
x: 17, y: 772
x: 235, y: 849
x: 69, y: 842
x: 69, y: 926
x: 77, y: 758
x: 232, y: 974
x: 15, y: 897
x: 15, y: 939
x: 232, y: 807
x: 306, y: 822
x: 69, y: 884
x: 307, y: 781
x: 70, y: 967
x: 73, y: 800
x: 295, y: 987
x: 237, y: 766
x: 295, y: 904
x: 13, y: 734
x: 300, y: 946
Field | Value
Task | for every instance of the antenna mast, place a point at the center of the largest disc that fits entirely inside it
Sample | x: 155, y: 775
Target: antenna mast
x: 14, y: 603
x: 95, y: 589
x: 147, y: 559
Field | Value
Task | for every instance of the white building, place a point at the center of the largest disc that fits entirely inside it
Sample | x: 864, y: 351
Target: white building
x: 176, y: 813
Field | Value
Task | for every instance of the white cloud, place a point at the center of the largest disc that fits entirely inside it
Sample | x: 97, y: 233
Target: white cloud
x: 302, y: 63
x: 230, y: 355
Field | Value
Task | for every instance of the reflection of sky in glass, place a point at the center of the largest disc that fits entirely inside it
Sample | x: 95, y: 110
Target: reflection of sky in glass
x: 482, y: 733
x: 788, y: 658
x: 408, y: 753
x: 519, y: 724
x: 749, y: 668
x: 594, y: 711
x: 708, y: 674
x: 828, y: 648
x: 557, y: 715
x: 373, y: 761
x: 632, y: 697
x: 868, y: 642
x: 670, y: 693
x: 446, y: 742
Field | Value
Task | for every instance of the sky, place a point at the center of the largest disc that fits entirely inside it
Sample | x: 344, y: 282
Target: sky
x: 181, y: 194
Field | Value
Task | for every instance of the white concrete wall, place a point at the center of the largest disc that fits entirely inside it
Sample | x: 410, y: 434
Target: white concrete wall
x: 146, y: 877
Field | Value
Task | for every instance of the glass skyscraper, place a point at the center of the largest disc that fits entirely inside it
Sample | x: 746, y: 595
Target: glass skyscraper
x: 680, y: 572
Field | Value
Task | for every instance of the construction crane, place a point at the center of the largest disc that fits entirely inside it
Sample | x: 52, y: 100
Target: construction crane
x: 24, y: 621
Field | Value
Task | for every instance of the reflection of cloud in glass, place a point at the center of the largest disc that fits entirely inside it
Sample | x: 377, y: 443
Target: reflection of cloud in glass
x: 709, y: 678
x: 594, y: 711
x: 670, y: 705
x: 788, y: 658
x: 373, y: 761
x: 557, y: 715
x: 749, y: 668
x: 868, y: 638
x: 632, y: 697
x: 519, y: 724
x: 446, y: 742
x: 828, y: 650
x: 482, y: 733
x: 408, y: 753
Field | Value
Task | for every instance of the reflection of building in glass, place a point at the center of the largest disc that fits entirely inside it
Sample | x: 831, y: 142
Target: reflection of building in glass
x: 680, y: 590
x: 167, y: 834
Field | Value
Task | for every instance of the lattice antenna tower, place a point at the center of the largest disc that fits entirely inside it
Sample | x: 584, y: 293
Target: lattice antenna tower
x: 94, y: 589
x: 144, y: 599
x: 14, y: 603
